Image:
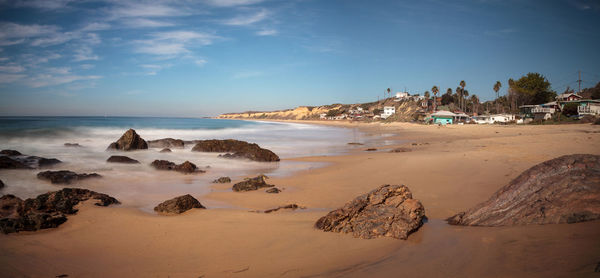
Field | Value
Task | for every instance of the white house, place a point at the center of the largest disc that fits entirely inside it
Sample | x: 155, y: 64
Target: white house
x: 388, y: 111
x: 490, y: 119
x: 402, y: 96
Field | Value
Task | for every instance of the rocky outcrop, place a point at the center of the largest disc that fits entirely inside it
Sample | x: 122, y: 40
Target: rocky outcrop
x: 166, y: 143
x: 273, y: 190
x: 561, y: 190
x: 122, y: 159
x: 250, y: 184
x: 186, y: 167
x: 11, y: 159
x: 128, y: 142
x: 388, y: 210
x: 1, y: 184
x: 236, y: 149
x: 45, y: 211
x: 222, y: 180
x: 179, y: 204
x: 73, y: 145
x: 165, y: 150
x: 64, y: 176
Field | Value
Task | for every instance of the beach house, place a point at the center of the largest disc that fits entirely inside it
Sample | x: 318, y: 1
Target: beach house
x: 568, y: 97
x: 441, y: 117
x: 402, y: 96
x: 388, y: 111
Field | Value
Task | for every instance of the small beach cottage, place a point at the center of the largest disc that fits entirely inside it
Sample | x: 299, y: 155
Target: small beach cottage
x: 388, y: 111
x: 441, y: 117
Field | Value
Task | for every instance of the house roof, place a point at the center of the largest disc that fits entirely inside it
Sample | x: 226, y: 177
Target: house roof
x: 443, y: 113
x: 563, y: 96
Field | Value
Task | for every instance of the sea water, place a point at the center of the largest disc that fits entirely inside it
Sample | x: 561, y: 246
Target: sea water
x: 140, y: 185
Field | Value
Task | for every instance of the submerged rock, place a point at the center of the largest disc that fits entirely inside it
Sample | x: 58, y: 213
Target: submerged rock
x: 11, y: 159
x: 166, y: 143
x: 236, y: 149
x: 273, y: 190
x: 179, y: 204
x: 222, y: 180
x: 400, y: 150
x: 64, y: 176
x: 122, y: 159
x: 388, y: 210
x: 128, y: 142
x: 250, y: 184
x: 75, y: 145
x: 186, y: 167
x: 561, y: 190
x: 165, y: 150
x: 370, y: 150
x: 290, y: 206
x: 46, y: 210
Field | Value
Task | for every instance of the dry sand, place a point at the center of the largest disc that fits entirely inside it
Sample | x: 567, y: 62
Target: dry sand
x: 448, y: 168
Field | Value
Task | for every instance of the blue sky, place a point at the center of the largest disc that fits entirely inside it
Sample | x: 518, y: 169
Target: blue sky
x: 202, y: 58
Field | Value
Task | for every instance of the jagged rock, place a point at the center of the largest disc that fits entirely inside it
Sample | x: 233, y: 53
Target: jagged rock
x: 179, y: 204
x: 10, y: 152
x: 222, y: 180
x: 273, y: 190
x: 11, y: 159
x: 122, y: 159
x: 1, y: 184
x: 165, y: 150
x: 128, y: 142
x: 186, y: 167
x: 9, y: 163
x: 250, y: 184
x: 64, y: 176
x: 238, y: 149
x: 76, y: 145
x: 47, y: 210
x: 166, y: 143
x: 290, y: 206
x: 388, y: 210
x: 561, y: 190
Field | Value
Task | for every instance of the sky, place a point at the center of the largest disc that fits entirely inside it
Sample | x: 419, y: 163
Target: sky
x: 184, y: 58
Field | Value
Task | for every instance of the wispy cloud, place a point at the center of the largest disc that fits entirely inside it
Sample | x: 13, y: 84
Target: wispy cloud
x: 143, y: 9
x: 43, y: 4
x: 95, y: 26
x: 173, y: 43
x: 84, y: 53
x: 145, y: 23
x: 10, y: 78
x: 13, y: 33
x: 247, y: 19
x: 200, y: 62
x: 44, y: 80
x: 267, y: 32
x: 231, y: 3
x: 12, y: 68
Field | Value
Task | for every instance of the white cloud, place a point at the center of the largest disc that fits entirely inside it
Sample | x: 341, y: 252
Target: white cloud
x: 95, y: 26
x: 145, y: 23
x: 173, y: 43
x: 9, y: 78
x: 84, y: 53
x: 247, y: 19
x: 43, y: 4
x: 267, y: 32
x: 142, y: 9
x: 13, y: 33
x: 61, y: 70
x: 200, y: 62
x: 231, y: 3
x: 12, y: 69
x: 44, y: 80
x: 86, y: 66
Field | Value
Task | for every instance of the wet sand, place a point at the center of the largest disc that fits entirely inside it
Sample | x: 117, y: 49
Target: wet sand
x: 448, y: 168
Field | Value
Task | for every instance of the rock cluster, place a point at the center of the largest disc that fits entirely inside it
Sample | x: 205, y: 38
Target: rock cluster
x: 45, y: 211
x: 166, y: 143
x: 64, y: 176
x: 128, y: 142
x: 250, y: 184
x: 122, y: 159
x: 179, y: 204
x: 186, y: 167
x: 388, y: 210
x: 561, y: 190
x: 222, y: 180
x: 236, y: 149
x: 11, y: 159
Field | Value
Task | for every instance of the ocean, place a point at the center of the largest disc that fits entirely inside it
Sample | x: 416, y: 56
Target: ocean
x: 141, y: 185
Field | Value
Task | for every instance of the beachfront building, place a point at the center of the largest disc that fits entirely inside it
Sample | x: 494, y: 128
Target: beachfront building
x: 388, y: 111
x: 588, y: 107
x: 568, y: 97
x: 323, y: 116
x: 538, y: 112
x: 402, y: 96
x: 441, y: 117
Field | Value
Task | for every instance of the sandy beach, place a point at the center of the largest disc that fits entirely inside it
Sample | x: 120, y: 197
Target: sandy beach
x: 449, y: 169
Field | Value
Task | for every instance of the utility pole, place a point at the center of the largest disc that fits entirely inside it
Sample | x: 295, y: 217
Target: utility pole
x: 579, y: 81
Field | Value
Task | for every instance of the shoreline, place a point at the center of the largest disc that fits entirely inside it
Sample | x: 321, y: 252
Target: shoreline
x: 444, y: 163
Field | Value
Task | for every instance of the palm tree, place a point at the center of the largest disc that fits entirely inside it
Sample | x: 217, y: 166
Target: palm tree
x: 435, y: 91
x: 389, y: 91
x: 465, y: 95
x: 426, y: 94
x: 475, y: 101
x: 462, y: 84
x: 496, y: 89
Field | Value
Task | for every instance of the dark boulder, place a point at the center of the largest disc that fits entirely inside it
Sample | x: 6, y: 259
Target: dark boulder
x: 10, y: 152
x: 1, y: 184
x: 237, y: 149
x: 290, y: 206
x: 165, y: 150
x: 9, y: 163
x: 561, y: 190
x: 122, y: 159
x: 273, y: 190
x: 186, y: 167
x: 64, y: 176
x: 400, y: 150
x: 45, y: 211
x: 73, y: 145
x: 222, y: 180
x: 250, y: 184
x: 388, y: 210
x: 166, y: 143
x: 128, y: 142
x: 370, y: 150
x: 179, y: 204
